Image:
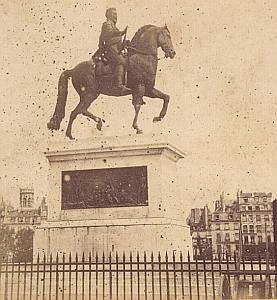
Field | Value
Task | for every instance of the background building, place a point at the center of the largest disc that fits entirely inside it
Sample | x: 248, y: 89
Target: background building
x: 26, y: 216
x: 225, y: 224
x: 199, y: 221
x: 256, y: 217
x: 243, y: 226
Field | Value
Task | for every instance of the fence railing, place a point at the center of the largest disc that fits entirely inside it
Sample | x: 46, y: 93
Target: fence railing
x: 127, y: 277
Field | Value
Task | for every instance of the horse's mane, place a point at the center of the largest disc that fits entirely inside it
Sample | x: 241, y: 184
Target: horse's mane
x: 139, y: 33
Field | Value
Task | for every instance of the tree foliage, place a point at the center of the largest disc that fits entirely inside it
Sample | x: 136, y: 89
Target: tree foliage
x: 23, y: 250
x: 7, y: 242
x: 17, y: 246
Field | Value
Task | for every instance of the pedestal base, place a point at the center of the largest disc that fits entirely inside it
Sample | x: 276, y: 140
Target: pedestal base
x: 114, y: 195
x: 105, y: 236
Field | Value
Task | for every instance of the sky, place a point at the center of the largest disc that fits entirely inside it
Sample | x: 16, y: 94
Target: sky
x: 222, y: 85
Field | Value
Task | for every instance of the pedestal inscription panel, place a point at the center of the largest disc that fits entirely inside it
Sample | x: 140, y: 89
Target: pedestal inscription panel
x: 113, y: 187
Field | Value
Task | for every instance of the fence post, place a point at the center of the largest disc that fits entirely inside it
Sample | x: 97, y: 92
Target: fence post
x: 275, y: 241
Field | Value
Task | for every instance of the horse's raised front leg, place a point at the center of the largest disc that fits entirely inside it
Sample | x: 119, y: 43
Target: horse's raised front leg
x: 158, y: 94
x: 138, y: 94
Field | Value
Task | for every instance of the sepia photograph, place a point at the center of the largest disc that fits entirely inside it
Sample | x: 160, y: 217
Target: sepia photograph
x: 138, y: 149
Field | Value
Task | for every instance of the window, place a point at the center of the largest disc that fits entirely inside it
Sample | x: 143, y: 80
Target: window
x: 20, y: 219
x: 258, y: 218
x: 250, y: 208
x: 228, y: 248
x: 269, y: 239
x: 251, y: 228
x: 266, y: 217
x: 265, y: 199
x: 259, y: 228
x: 216, y: 217
x: 218, y: 249
x: 245, y: 200
x: 252, y: 237
x: 231, y: 217
x: 246, y: 240
x: 243, y: 208
x: 236, y: 226
x: 250, y: 218
x: 244, y: 229
x: 218, y: 237
x: 217, y: 226
x: 257, y: 207
x: 227, y: 237
x: 243, y: 217
x: 260, y: 239
x: 226, y: 226
x: 236, y: 236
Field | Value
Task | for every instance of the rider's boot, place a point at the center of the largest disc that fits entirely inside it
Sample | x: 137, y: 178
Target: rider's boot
x: 119, y: 74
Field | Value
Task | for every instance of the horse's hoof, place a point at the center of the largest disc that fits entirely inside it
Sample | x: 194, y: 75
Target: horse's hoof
x: 99, y: 125
x: 157, y: 119
x: 69, y: 135
x: 139, y: 131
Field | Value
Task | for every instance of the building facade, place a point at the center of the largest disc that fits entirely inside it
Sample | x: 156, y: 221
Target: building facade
x: 225, y: 224
x: 256, y: 217
x: 200, y: 231
x: 243, y: 226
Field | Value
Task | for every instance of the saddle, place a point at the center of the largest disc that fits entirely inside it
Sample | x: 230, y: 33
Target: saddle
x: 103, y: 68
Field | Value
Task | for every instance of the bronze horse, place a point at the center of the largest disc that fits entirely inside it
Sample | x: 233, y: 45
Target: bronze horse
x: 89, y: 80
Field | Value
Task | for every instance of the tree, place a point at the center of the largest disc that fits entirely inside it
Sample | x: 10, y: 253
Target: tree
x: 24, y: 245
x: 7, y: 242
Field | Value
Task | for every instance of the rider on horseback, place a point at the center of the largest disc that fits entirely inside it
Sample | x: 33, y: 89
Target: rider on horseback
x: 110, y: 42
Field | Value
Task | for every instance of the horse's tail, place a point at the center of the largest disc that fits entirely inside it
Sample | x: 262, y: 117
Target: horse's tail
x: 55, y: 121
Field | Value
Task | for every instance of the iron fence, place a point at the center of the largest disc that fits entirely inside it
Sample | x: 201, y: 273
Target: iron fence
x: 135, y: 277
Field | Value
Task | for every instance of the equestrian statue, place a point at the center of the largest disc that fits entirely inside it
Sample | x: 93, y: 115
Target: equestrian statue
x: 118, y: 68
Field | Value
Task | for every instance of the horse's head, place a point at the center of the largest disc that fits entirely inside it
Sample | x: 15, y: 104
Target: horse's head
x: 164, y: 41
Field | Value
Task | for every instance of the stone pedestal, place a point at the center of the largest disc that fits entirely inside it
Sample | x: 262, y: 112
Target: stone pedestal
x: 154, y: 223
